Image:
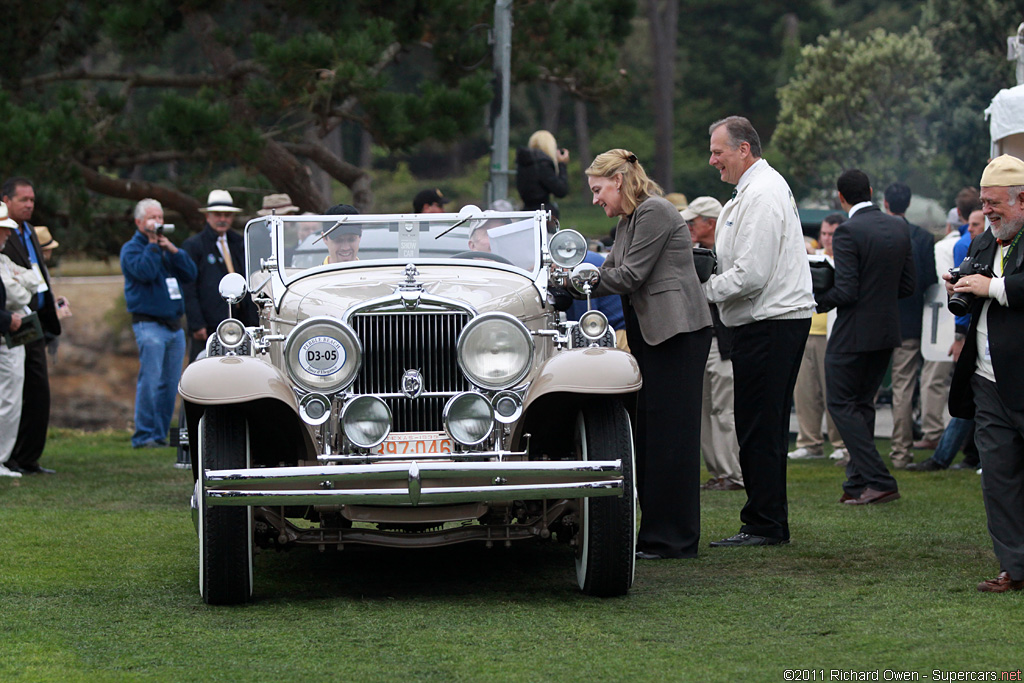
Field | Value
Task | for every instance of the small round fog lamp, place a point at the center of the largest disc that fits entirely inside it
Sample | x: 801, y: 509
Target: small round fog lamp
x: 593, y: 325
x: 315, y: 409
x: 468, y: 418
x: 507, y: 406
x: 366, y: 421
x: 231, y: 333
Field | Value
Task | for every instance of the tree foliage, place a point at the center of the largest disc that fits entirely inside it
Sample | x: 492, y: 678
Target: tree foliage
x: 136, y: 98
x: 862, y: 104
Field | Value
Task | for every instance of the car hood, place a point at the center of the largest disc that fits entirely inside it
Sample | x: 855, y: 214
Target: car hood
x: 485, y: 289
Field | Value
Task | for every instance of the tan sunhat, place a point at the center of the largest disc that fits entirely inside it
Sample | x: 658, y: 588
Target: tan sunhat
x: 678, y: 200
x: 1004, y: 171
x: 46, y: 240
x: 708, y: 207
x: 278, y: 204
x: 220, y: 201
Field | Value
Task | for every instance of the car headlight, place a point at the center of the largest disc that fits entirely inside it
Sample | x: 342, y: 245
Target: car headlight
x: 231, y: 333
x: 567, y: 248
x: 593, y: 325
x: 468, y: 418
x: 495, y: 351
x: 323, y: 355
x: 366, y: 421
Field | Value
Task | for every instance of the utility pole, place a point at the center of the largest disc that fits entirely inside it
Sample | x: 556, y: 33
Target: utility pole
x: 501, y: 38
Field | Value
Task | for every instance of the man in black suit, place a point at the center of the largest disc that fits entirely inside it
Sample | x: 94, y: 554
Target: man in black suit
x: 874, y: 268
x: 216, y: 251
x: 23, y: 249
x: 989, y: 373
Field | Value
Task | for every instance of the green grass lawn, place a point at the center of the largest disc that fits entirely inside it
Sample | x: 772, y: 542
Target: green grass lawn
x: 98, y: 583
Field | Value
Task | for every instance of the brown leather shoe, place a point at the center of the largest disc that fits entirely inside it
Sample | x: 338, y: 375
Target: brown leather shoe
x: 726, y: 485
x: 925, y: 444
x: 871, y: 496
x: 710, y: 484
x: 1000, y: 584
x: 845, y: 497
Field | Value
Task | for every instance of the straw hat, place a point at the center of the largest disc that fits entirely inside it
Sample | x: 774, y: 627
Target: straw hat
x: 278, y: 204
x: 46, y: 240
x: 220, y: 201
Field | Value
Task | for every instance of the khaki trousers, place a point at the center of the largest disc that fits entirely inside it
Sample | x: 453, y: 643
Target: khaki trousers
x: 935, y: 377
x: 906, y: 367
x: 717, y: 420
x: 809, y: 398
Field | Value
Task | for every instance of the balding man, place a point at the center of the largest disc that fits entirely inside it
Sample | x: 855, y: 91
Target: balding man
x: 989, y: 372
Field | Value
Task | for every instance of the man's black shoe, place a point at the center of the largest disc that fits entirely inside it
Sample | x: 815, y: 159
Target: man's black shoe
x: 14, y: 467
x: 928, y: 465
x: 962, y: 465
x: 643, y: 555
x: 748, y: 539
x: 35, y: 469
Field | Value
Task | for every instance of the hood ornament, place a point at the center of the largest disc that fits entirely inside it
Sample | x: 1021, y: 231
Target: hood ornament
x: 410, y: 288
x: 412, y: 383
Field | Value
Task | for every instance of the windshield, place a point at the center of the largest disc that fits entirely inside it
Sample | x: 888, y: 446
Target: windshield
x: 508, y: 240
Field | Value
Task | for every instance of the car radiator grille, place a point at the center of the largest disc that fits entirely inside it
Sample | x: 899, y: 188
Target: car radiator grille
x: 396, y: 342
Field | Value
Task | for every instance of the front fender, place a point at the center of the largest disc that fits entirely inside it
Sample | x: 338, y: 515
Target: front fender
x: 234, y: 379
x: 594, y: 370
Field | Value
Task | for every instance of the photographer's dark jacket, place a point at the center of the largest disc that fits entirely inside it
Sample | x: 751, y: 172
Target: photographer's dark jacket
x: 1005, y: 332
x: 537, y: 179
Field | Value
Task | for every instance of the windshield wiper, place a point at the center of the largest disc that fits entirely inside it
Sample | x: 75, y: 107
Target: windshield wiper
x: 331, y: 229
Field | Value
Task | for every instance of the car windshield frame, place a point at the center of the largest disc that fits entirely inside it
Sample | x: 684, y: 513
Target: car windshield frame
x: 300, y: 248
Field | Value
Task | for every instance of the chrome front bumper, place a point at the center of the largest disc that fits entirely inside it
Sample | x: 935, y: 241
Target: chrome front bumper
x: 413, y: 483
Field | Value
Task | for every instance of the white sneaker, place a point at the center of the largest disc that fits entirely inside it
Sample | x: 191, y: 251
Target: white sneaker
x: 839, y: 454
x: 4, y: 472
x: 804, y: 454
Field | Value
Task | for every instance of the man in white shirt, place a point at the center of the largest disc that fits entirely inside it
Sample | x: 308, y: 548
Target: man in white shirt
x: 763, y: 292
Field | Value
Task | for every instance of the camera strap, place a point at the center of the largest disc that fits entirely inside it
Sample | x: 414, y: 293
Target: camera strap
x: 1006, y: 253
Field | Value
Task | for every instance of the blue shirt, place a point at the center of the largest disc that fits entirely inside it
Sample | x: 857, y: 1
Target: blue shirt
x: 146, y: 268
x: 959, y: 253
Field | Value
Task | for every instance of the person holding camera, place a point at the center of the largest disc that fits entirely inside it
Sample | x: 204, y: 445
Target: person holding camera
x: 874, y: 269
x: 542, y: 171
x: 154, y: 272
x: 216, y: 251
x: 989, y: 284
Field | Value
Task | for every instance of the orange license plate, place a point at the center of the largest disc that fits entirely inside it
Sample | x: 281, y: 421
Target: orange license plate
x: 413, y: 443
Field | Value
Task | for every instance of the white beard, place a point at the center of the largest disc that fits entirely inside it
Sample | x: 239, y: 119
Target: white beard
x: 1007, y: 231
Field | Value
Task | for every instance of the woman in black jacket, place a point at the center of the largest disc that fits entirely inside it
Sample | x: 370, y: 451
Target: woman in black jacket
x: 541, y: 172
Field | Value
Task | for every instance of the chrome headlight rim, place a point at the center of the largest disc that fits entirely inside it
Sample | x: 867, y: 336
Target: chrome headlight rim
x: 510, y: 380
x: 231, y: 333
x: 308, y: 406
x: 330, y: 333
x: 447, y: 416
x: 597, y: 318
x: 564, y: 239
x: 346, y: 410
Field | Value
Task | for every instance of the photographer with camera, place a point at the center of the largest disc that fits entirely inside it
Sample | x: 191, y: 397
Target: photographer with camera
x: 988, y: 374
x: 154, y: 272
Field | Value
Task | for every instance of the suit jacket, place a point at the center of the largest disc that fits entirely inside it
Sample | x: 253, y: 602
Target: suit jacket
x: 1005, y: 331
x: 203, y: 305
x: 651, y: 264
x: 874, y: 269
x: 15, y: 249
x: 5, y: 315
x: 912, y: 307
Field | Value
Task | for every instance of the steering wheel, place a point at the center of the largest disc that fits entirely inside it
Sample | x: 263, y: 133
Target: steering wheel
x: 484, y: 255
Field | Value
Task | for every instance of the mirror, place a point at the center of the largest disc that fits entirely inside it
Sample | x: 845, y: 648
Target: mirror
x: 585, y: 277
x: 232, y: 288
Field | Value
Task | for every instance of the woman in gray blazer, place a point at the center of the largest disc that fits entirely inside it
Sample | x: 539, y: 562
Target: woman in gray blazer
x: 668, y: 326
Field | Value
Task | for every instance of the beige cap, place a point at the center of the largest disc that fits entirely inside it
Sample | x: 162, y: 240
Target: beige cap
x: 279, y: 204
x: 708, y: 207
x: 1004, y: 171
x: 678, y: 200
x: 5, y: 220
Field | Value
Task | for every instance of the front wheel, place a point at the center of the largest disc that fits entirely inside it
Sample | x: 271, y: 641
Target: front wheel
x: 225, y: 533
x: 607, y: 532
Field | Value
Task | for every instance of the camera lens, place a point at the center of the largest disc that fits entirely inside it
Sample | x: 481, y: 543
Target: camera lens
x: 960, y: 303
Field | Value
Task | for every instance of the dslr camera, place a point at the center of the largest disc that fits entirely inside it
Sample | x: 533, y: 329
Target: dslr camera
x: 960, y: 303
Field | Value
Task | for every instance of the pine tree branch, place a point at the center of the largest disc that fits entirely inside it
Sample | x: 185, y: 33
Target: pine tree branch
x: 110, y: 186
x: 238, y: 70
x: 354, y: 177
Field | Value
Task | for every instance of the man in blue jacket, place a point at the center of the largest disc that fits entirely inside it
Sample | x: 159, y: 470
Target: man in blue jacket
x: 154, y: 272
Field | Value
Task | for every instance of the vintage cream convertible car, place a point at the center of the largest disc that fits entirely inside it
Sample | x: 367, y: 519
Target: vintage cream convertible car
x: 411, y: 384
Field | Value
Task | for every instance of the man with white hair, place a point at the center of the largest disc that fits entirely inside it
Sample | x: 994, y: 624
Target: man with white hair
x: 988, y: 374
x: 154, y: 271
